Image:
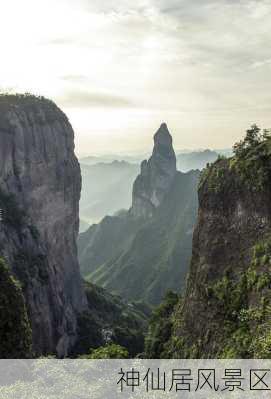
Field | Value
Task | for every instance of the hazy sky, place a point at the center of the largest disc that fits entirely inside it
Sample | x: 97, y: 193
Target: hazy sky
x: 119, y: 69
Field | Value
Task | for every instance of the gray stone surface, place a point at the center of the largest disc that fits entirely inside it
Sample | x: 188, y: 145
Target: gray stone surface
x: 156, y: 176
x: 38, y: 166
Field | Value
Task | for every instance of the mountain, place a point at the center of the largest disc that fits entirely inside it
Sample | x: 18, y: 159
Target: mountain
x: 153, y: 239
x: 225, y: 311
x: 83, y: 226
x: 156, y: 176
x: 109, y: 158
x: 39, y: 195
x: 107, y: 182
x: 195, y: 160
x: 45, y: 307
x: 106, y: 188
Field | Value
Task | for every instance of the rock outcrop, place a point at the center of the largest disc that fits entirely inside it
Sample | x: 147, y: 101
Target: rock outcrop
x: 156, y: 176
x: 226, y: 309
x: 40, y: 186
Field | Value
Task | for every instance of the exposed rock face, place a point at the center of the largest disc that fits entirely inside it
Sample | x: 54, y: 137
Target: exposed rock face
x: 225, y: 309
x: 156, y: 177
x: 40, y: 186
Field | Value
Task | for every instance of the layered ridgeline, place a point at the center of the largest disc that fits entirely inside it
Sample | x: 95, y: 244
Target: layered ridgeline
x: 142, y: 252
x: 195, y: 160
x: 106, y: 188
x: 226, y: 311
x: 39, y: 194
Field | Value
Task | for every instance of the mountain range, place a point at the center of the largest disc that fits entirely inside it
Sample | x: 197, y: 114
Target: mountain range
x: 107, y: 181
x: 153, y: 238
x: 106, y: 188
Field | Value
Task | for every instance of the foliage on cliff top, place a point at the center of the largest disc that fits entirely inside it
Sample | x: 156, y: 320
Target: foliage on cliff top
x: 252, y: 158
x: 15, y: 331
x: 31, y: 103
x: 251, y: 162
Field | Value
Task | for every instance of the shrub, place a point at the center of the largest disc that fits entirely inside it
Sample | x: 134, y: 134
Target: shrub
x: 110, y: 351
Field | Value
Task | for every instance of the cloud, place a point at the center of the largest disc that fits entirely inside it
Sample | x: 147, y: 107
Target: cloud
x: 181, y: 60
x: 75, y: 78
x: 85, y: 99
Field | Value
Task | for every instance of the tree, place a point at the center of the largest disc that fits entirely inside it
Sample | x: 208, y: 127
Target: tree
x: 253, y: 136
x: 160, y: 327
x: 251, y: 140
x: 109, y: 351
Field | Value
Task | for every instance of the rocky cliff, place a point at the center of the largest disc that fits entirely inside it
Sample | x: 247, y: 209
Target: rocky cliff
x: 156, y: 176
x: 141, y: 253
x: 39, y: 193
x: 226, y: 308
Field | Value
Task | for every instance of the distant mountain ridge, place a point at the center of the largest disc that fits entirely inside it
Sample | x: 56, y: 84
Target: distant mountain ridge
x: 109, y: 158
x: 142, y: 252
x: 106, y: 188
x: 107, y: 181
x: 195, y: 160
x: 138, y: 158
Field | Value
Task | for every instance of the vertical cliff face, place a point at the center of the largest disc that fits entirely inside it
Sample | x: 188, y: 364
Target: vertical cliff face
x: 226, y: 308
x: 40, y: 186
x: 156, y: 176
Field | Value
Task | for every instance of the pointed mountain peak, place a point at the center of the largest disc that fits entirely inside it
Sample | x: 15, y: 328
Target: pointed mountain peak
x: 162, y: 136
x: 156, y: 175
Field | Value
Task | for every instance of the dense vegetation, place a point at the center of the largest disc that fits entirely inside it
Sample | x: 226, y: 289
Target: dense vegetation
x: 243, y: 301
x: 15, y: 331
x: 251, y: 162
x: 160, y: 328
x: 109, y: 320
x: 252, y: 158
x: 109, y: 351
x: 247, y: 329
